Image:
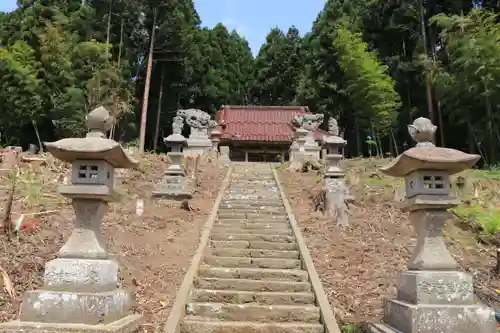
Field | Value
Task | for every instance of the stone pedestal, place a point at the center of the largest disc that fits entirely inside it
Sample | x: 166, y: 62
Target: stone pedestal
x: 294, y: 148
x: 198, y: 142
x: 174, y: 184
x: 311, y: 147
x: 224, y: 154
x: 197, y: 146
x: 80, y: 288
x: 432, y: 296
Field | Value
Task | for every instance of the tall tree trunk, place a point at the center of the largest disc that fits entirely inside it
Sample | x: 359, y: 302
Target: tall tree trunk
x: 145, y: 98
x: 108, y: 30
x: 158, y: 111
x: 359, y: 142
x: 430, y: 105
x: 440, y: 123
x: 489, y: 130
x: 120, y: 47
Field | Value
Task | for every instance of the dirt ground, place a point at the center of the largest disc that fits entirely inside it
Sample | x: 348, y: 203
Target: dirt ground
x: 358, y: 266
x: 154, y: 250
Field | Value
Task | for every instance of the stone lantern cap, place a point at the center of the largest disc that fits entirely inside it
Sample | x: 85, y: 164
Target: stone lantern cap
x: 426, y: 156
x: 95, y: 146
x: 332, y: 140
x: 174, y: 139
x: 430, y: 158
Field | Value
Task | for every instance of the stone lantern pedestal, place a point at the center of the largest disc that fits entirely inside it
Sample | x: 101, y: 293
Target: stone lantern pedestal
x: 333, y: 180
x: 80, y: 288
x: 224, y: 155
x: 197, y: 143
x: 215, y: 136
x: 298, y: 154
x: 311, y: 147
x: 433, y: 296
x: 174, y: 184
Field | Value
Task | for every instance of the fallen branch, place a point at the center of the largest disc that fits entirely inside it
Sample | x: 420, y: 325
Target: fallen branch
x: 7, y: 283
x: 47, y: 212
x: 32, y: 159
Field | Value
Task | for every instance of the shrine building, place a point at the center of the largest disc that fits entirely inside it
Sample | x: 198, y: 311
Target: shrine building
x: 259, y: 133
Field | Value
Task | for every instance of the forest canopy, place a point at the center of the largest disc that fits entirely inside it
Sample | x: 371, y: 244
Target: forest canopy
x: 375, y: 65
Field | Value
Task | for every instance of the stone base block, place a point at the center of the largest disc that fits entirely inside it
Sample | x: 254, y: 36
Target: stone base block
x: 197, y: 146
x: 81, y: 275
x: 175, y: 170
x: 128, y: 324
x: 409, y: 318
x: 435, y: 287
x: 173, y: 187
x: 175, y: 195
x: 46, y: 306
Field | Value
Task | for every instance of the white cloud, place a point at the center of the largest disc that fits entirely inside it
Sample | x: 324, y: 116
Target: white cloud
x: 232, y: 24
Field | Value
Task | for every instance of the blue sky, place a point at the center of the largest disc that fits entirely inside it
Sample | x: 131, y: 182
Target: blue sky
x: 251, y: 18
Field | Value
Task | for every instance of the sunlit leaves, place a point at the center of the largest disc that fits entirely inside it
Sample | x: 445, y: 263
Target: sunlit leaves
x: 370, y: 88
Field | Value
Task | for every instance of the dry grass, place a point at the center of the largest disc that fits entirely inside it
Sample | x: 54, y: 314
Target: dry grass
x: 358, y: 266
x: 154, y: 249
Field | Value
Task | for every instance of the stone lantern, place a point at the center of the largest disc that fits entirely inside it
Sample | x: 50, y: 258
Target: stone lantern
x: 333, y: 179
x: 433, y: 296
x: 215, y: 135
x: 174, y: 183
x: 80, y: 288
x: 333, y: 144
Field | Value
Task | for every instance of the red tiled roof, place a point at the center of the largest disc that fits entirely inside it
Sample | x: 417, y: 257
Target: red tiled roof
x: 259, y: 123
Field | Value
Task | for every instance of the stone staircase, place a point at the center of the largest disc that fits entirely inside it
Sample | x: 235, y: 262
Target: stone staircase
x: 251, y: 277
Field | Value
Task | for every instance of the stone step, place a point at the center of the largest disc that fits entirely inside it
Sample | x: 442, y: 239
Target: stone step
x: 242, y: 205
x: 234, y: 230
x: 252, y: 210
x: 252, y: 285
x: 254, y: 273
x: 252, y: 237
x: 256, y: 312
x: 253, y: 203
x: 244, y: 297
x: 249, y: 186
x: 245, y: 195
x: 249, y: 212
x: 254, y: 225
x: 246, y: 183
x: 252, y: 197
x: 252, y: 220
x: 252, y: 217
x: 195, y: 325
x: 235, y: 262
x: 261, y: 190
x: 254, y: 245
x: 253, y: 253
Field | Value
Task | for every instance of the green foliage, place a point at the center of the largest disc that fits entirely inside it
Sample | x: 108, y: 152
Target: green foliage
x: 471, y: 72
x: 369, y: 87
x: 374, y: 65
x: 488, y: 219
x: 278, y: 68
x: 19, y: 87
